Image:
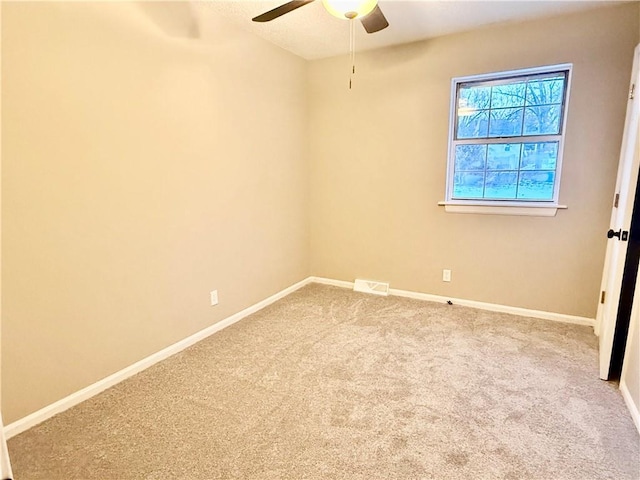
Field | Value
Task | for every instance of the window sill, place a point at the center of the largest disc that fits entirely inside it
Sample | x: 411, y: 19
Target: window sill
x: 535, y: 210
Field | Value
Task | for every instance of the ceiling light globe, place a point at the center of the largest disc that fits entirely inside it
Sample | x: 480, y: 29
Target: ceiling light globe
x: 346, y: 8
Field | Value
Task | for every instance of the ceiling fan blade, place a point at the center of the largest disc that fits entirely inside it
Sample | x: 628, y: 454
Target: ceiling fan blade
x: 281, y: 10
x: 375, y: 21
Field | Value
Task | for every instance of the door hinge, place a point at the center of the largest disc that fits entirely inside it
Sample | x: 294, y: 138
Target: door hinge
x: 602, y: 296
x: 616, y: 199
x: 632, y: 91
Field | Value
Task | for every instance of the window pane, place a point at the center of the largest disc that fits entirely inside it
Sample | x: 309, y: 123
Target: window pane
x: 506, y: 122
x: 474, y: 98
x: 503, y: 156
x: 539, y: 156
x: 470, y: 157
x: 545, y: 92
x: 542, y: 120
x: 501, y: 185
x: 468, y: 185
x: 536, y: 185
x: 510, y: 95
x: 474, y: 125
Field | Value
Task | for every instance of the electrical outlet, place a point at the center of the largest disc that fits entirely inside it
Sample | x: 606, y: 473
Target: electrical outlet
x: 214, y: 297
x: 446, y: 275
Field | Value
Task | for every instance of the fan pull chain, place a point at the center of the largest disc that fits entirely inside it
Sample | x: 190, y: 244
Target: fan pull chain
x: 352, y: 50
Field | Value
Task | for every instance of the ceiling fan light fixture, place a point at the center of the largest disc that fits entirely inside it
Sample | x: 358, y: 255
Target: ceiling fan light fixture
x: 349, y: 9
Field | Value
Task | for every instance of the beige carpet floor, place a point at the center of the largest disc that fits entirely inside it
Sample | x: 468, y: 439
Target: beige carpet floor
x: 332, y: 384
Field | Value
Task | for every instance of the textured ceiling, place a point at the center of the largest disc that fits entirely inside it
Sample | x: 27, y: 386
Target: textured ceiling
x: 311, y: 32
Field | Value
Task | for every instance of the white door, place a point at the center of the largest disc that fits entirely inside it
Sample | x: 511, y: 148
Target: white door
x: 620, y: 223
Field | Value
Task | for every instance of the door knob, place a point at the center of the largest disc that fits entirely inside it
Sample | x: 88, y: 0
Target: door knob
x: 611, y: 234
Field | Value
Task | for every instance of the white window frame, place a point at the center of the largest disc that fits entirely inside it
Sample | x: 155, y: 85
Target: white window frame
x: 496, y: 206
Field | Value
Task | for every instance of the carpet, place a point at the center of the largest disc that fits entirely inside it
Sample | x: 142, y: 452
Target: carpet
x: 328, y: 383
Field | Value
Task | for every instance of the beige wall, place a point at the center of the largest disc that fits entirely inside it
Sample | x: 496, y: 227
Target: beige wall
x: 379, y: 155
x: 142, y: 167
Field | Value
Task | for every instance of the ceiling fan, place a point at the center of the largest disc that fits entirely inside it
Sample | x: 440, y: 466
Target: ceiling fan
x: 368, y: 11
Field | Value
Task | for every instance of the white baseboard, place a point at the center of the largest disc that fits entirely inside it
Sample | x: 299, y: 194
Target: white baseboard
x: 633, y: 408
x: 65, y: 403
x: 523, y: 312
x: 5, y: 463
x: 331, y: 281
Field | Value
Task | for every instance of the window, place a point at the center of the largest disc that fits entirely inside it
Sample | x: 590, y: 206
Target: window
x: 506, y: 138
